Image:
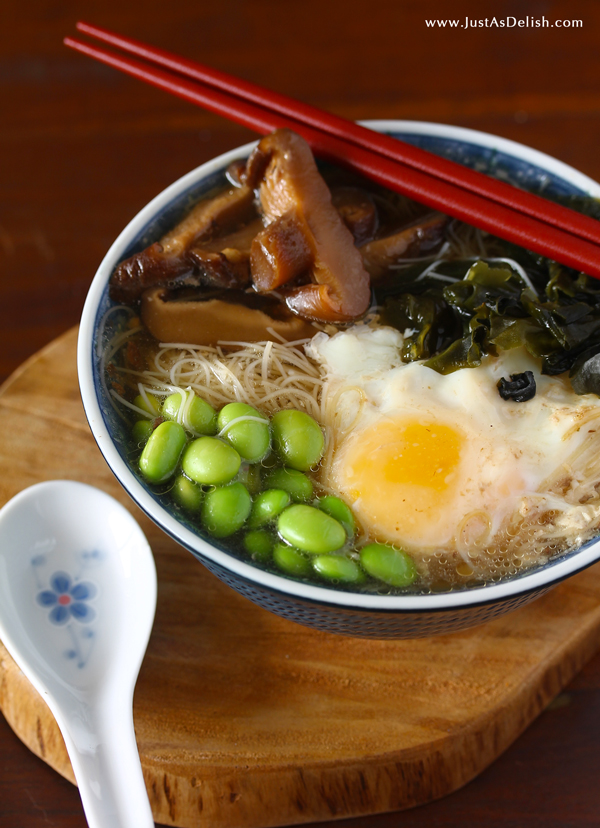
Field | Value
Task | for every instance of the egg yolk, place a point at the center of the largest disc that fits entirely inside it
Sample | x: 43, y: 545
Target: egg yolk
x: 404, y: 475
x: 425, y: 455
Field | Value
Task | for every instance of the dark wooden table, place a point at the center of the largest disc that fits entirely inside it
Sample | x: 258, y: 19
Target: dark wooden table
x: 83, y: 148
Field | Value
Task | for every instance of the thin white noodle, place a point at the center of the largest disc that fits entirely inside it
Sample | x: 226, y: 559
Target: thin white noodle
x: 234, y: 343
x: 117, y: 343
x: 431, y: 269
x: 245, y: 418
x: 129, y: 405
x: 265, y: 361
x: 440, y: 276
x: 100, y: 344
x: 279, y: 338
x: 144, y: 395
x: 439, y: 256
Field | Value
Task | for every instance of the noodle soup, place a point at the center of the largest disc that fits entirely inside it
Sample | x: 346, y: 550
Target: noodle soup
x: 457, y: 406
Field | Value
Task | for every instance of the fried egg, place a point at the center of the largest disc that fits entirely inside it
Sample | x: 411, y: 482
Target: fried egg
x: 429, y: 462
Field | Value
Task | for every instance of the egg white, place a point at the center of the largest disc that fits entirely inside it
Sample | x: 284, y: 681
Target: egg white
x: 427, y: 460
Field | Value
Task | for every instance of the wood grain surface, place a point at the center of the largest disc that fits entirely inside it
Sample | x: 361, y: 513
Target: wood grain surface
x: 83, y: 149
x: 246, y: 720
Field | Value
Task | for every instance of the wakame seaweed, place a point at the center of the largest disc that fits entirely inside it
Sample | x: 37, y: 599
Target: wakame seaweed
x: 460, y: 311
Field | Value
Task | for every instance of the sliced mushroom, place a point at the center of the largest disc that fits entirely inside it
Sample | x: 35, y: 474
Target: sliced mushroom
x: 280, y: 252
x: 224, y: 262
x: 283, y: 169
x: 204, y: 318
x: 236, y: 171
x: 210, y: 219
x: 149, y: 267
x: 416, y: 239
x: 226, y: 269
x: 358, y: 212
x: 166, y: 261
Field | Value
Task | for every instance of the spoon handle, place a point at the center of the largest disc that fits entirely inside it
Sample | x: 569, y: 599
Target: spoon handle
x: 103, y: 752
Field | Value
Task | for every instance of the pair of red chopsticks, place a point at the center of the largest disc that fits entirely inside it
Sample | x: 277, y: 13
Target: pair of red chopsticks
x: 527, y: 220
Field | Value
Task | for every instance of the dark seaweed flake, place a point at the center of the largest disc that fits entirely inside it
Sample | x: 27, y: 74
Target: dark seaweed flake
x: 519, y: 388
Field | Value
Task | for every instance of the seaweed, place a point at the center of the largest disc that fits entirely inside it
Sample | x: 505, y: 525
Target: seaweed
x: 428, y: 318
x: 555, y: 314
x: 518, y: 388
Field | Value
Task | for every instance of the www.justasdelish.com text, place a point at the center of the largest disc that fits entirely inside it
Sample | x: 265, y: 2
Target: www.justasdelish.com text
x: 505, y: 23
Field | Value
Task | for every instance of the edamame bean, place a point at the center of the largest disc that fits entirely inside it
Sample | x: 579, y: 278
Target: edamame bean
x: 160, y: 455
x: 270, y: 461
x: 291, y: 560
x: 210, y: 461
x: 200, y: 416
x: 252, y: 481
x: 297, y: 439
x: 295, y: 483
x: 250, y: 438
x: 225, y: 509
x: 267, y: 505
x: 339, y: 510
x: 249, y: 475
x: 310, y: 529
x: 338, y: 568
x: 259, y: 544
x: 388, y: 564
x: 141, y: 431
x: 148, y: 403
x: 187, y: 494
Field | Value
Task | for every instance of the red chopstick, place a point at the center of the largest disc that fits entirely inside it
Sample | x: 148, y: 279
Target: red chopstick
x: 484, y: 185
x: 472, y: 208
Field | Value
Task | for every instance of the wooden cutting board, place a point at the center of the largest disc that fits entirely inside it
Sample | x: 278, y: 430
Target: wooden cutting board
x: 245, y: 719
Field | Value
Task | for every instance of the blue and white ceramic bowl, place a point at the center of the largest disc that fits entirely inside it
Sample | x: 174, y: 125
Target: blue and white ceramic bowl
x: 365, y: 615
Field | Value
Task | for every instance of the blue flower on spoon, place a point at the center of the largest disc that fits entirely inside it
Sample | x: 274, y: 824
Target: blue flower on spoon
x: 67, y: 599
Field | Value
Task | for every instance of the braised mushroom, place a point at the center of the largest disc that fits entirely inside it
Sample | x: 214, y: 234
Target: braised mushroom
x: 280, y: 252
x: 284, y: 171
x: 416, y: 239
x: 205, y: 317
x: 225, y: 261
x: 167, y: 261
x: 358, y: 212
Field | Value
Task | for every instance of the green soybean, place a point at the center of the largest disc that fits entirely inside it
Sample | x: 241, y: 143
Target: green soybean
x: 187, y: 494
x: 310, y: 529
x: 339, y: 510
x: 249, y: 475
x: 259, y: 544
x: 141, y: 431
x: 251, y: 439
x: 160, y: 455
x: 252, y: 479
x: 270, y: 461
x: 225, y: 509
x: 291, y: 561
x: 295, y: 483
x: 338, y: 568
x: 149, y: 404
x: 267, y: 506
x: 388, y: 564
x: 297, y: 438
x: 210, y: 462
x: 199, y: 415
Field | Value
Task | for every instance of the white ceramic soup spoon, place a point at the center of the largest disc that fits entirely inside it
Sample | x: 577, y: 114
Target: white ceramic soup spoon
x: 77, y: 602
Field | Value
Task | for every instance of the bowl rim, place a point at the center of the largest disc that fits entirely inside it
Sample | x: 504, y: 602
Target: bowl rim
x: 533, y: 581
